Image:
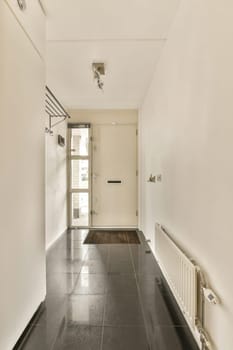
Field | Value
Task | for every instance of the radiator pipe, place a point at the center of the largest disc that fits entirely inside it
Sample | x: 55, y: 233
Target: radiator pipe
x: 202, y: 286
x: 205, y: 344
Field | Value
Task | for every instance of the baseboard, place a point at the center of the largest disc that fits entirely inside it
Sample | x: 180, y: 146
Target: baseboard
x: 27, y: 331
x: 103, y: 227
x: 114, y: 228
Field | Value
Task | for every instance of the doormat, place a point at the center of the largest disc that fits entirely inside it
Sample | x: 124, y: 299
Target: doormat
x: 112, y: 237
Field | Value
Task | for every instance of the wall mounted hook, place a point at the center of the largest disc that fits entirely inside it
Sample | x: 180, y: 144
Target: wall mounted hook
x: 22, y: 4
x: 152, y: 178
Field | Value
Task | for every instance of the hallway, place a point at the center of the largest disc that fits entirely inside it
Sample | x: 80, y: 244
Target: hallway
x: 116, y: 115
x: 106, y: 297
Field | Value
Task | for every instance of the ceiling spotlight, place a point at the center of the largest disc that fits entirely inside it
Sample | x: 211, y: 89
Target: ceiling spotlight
x: 98, y: 70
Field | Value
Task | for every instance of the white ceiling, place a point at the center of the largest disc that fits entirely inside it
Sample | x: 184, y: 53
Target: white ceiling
x: 127, y: 35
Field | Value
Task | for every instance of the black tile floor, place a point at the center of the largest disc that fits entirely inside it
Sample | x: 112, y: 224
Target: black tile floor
x: 106, y: 297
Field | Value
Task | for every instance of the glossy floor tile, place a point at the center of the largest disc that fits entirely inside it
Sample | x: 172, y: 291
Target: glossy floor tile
x: 123, y: 310
x: 121, y: 284
x: 91, y: 284
x: 94, y: 266
x: 79, y: 337
x: 85, y: 310
x: 106, y: 297
x: 125, y: 338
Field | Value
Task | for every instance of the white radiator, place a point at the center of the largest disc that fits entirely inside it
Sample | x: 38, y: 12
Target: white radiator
x: 180, y: 272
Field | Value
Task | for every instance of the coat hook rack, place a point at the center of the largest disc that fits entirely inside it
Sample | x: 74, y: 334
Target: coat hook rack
x: 54, y: 109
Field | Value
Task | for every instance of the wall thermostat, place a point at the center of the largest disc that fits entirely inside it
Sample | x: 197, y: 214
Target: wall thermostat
x: 210, y: 296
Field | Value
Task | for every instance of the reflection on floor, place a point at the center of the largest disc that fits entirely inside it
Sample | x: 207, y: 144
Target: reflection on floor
x: 106, y: 297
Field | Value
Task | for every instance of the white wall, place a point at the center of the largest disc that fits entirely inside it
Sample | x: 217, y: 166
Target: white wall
x: 22, y: 243
x: 56, y: 185
x: 186, y: 134
x: 104, y: 116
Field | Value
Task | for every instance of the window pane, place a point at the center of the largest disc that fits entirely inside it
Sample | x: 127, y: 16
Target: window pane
x: 79, y: 141
x: 79, y: 171
x: 80, y: 209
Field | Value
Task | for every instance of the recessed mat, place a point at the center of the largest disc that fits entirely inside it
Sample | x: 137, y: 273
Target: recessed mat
x: 112, y: 237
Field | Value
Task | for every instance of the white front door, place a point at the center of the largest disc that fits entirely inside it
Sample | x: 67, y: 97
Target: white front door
x: 114, y: 176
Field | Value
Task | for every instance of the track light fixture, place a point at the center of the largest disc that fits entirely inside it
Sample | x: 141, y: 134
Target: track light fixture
x: 98, y: 70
